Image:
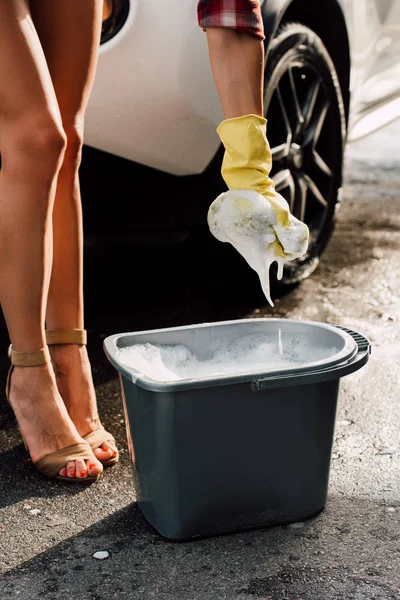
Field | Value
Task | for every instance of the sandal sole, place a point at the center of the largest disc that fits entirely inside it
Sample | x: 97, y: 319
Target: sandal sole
x: 76, y: 480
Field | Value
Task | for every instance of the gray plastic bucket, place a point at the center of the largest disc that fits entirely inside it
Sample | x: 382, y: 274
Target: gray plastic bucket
x: 230, y: 452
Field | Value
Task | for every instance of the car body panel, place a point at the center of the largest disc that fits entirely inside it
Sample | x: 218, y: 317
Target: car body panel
x: 374, y: 32
x: 154, y: 100
x: 156, y: 103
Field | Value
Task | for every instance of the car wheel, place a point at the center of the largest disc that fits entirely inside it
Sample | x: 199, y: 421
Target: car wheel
x: 306, y: 130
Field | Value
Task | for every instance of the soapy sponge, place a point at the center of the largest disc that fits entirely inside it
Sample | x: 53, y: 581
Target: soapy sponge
x: 251, y: 215
x: 244, y: 219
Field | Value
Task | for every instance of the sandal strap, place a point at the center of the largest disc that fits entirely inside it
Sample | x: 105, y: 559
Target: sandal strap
x: 34, y: 358
x: 66, y: 336
x: 96, y: 438
x: 52, y: 464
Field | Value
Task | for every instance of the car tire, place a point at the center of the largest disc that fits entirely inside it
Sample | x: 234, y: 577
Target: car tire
x: 306, y: 129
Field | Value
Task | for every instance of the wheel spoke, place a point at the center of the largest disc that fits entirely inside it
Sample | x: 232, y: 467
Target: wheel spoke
x: 315, y: 126
x: 283, y: 180
x: 301, y: 189
x: 319, y: 123
x: 280, y: 152
x: 315, y: 191
x: 289, y: 133
x: 299, y: 115
x: 321, y: 164
x: 310, y: 102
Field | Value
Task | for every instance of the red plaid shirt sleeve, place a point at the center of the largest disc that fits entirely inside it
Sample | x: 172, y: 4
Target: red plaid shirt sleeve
x: 242, y: 15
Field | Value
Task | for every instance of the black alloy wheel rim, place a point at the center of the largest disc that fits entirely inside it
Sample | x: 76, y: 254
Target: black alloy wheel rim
x: 301, y: 133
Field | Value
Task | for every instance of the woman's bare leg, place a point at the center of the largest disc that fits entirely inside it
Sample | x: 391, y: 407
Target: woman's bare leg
x: 237, y: 62
x: 32, y: 143
x: 70, y: 34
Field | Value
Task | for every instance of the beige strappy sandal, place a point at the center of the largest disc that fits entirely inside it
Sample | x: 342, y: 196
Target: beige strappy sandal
x: 95, y: 439
x: 51, y: 464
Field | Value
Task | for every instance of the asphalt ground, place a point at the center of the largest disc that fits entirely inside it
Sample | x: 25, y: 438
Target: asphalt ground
x: 49, y: 532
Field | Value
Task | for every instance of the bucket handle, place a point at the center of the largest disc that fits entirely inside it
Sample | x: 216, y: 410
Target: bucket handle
x: 321, y: 375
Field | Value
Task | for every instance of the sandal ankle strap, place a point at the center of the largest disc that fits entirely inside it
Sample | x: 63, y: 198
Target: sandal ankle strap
x: 34, y: 358
x: 66, y: 336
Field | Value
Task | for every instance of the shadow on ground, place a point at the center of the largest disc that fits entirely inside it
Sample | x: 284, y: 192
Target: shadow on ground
x: 322, y: 558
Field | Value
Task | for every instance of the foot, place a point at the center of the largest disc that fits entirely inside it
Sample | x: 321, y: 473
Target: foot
x: 43, y: 419
x: 75, y: 384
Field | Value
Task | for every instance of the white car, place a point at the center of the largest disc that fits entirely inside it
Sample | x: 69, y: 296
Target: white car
x: 152, y: 158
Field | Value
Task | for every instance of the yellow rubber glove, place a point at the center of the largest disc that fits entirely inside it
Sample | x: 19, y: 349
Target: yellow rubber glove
x: 247, y: 160
x: 252, y: 216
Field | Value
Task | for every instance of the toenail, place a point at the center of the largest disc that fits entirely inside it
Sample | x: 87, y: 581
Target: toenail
x: 83, y: 473
x: 115, y: 453
x: 92, y: 466
x: 73, y: 473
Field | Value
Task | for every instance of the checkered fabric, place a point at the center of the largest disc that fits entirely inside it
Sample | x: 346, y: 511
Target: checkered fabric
x: 242, y: 15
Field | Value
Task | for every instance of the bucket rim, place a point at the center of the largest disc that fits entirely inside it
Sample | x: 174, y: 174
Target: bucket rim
x: 343, y: 357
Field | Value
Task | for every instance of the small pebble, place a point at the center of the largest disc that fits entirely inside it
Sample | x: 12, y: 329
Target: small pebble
x: 101, y: 554
x: 391, y: 509
x: 344, y: 422
x: 377, y: 253
x: 35, y: 511
x: 296, y: 525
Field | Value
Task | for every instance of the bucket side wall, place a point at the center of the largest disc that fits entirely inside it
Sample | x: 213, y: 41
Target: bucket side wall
x: 219, y: 459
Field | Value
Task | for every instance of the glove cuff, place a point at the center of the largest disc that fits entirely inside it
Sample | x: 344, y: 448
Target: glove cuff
x: 241, y: 123
x: 247, y: 158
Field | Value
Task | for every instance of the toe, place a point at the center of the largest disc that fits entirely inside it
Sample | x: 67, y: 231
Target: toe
x: 71, y: 469
x: 81, y: 470
x: 94, y: 467
x: 103, y: 454
x: 63, y: 472
x: 109, y: 446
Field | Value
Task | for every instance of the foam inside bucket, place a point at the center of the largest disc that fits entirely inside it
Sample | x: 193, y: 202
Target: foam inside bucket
x: 210, y: 352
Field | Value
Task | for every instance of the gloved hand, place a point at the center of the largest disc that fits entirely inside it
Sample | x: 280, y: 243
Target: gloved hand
x: 252, y: 216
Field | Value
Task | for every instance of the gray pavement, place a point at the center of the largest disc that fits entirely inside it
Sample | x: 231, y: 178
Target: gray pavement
x: 350, y: 551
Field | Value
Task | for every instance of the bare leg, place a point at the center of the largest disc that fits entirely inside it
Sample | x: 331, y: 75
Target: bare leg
x: 237, y: 62
x: 32, y: 144
x: 72, y: 60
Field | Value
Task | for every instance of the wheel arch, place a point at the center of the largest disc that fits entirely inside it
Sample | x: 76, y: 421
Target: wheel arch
x: 315, y: 14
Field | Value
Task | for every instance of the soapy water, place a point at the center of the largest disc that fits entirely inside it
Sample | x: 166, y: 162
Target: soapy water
x: 246, y: 220
x: 253, y: 352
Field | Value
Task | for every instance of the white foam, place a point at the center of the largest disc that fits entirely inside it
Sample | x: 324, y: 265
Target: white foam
x: 249, y: 353
x: 245, y: 219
